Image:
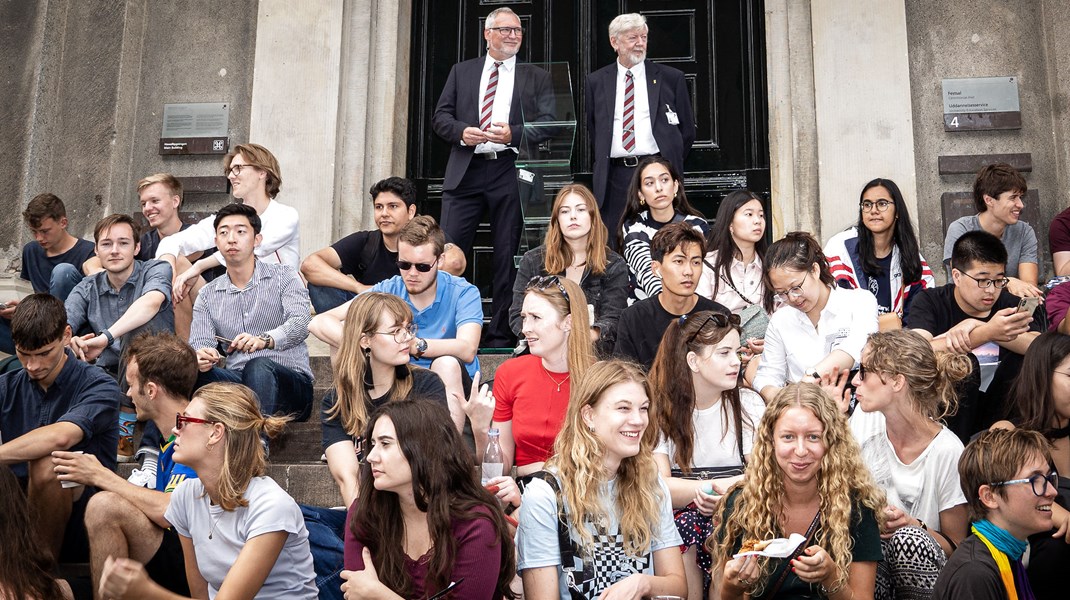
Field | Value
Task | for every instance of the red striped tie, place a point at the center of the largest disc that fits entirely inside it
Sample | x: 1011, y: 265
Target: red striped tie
x: 628, y: 128
x: 488, y: 98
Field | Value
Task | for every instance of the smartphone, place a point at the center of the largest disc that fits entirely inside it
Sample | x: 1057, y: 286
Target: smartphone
x: 1028, y: 305
x: 7, y: 304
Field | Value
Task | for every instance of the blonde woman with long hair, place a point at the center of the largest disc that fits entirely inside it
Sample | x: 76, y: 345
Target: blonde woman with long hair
x: 575, y: 249
x: 242, y: 535
x: 806, y: 476
x: 602, y: 487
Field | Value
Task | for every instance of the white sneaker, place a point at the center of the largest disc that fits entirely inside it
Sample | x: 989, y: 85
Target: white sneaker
x: 143, y: 478
x: 323, y: 458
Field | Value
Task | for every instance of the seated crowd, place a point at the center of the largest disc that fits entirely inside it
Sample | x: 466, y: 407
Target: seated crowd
x: 672, y: 405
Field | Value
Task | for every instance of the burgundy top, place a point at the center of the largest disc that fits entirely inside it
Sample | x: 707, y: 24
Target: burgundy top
x: 477, y: 560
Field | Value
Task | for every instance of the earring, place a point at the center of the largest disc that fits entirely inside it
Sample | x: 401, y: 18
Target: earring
x: 642, y: 202
x: 591, y: 427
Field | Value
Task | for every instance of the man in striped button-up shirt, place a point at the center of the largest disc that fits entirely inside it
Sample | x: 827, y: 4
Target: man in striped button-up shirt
x: 258, y: 316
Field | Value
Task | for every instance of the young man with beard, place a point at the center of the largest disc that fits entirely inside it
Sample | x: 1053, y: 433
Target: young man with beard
x: 125, y: 520
x: 676, y: 252
x: 355, y: 263
x: 447, y: 312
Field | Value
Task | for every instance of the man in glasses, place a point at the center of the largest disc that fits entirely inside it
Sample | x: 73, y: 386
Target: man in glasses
x: 125, y: 520
x: 676, y: 252
x: 1010, y: 490
x: 481, y: 113
x: 257, y: 317
x: 55, y: 402
x: 635, y: 108
x: 447, y: 311
x: 976, y: 313
x: 355, y: 263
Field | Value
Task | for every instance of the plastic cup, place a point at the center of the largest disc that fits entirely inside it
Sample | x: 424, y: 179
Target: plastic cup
x: 71, y: 484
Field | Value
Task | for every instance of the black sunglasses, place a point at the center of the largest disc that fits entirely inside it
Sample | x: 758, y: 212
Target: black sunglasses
x: 545, y: 281
x: 720, y: 320
x: 405, y: 265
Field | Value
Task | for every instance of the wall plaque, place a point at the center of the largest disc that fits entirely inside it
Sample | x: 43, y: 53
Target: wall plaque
x: 981, y: 103
x: 195, y: 128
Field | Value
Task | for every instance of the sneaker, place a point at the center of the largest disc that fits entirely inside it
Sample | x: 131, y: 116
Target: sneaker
x: 323, y: 458
x: 143, y: 478
x: 126, y: 449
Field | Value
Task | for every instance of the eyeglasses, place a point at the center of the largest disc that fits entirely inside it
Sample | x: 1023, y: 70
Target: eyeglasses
x: 545, y: 281
x: 794, y: 292
x: 984, y: 284
x: 1051, y: 478
x: 882, y: 205
x: 720, y: 320
x: 506, y: 31
x: 181, y: 420
x: 405, y: 265
x: 236, y: 169
x: 402, y: 334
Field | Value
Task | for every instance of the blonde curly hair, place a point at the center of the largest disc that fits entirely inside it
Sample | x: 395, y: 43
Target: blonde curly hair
x: 842, y: 480
x: 577, y: 458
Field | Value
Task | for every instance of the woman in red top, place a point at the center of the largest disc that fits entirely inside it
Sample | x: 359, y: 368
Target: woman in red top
x: 531, y: 392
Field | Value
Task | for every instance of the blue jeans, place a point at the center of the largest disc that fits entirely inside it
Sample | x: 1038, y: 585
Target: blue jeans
x: 326, y: 538
x: 64, y: 277
x: 325, y: 298
x: 281, y: 390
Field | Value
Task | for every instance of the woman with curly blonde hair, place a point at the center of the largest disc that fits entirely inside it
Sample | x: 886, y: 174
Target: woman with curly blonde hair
x: 806, y: 476
x: 600, y: 521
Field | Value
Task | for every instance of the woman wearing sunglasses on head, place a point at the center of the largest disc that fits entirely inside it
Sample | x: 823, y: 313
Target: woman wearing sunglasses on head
x: 880, y: 253
x: 242, y: 535
x: 819, y: 334
x: 422, y: 522
x: 531, y: 392
x: 707, y: 424
x: 575, y: 249
x: 904, y: 390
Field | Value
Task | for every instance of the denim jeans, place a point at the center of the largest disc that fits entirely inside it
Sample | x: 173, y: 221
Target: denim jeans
x: 325, y: 298
x: 326, y: 538
x: 279, y: 389
x: 64, y: 277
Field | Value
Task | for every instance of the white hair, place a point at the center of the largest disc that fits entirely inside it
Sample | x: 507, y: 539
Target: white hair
x: 626, y: 22
x: 493, y: 16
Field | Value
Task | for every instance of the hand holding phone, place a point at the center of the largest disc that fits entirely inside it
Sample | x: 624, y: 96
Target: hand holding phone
x: 1028, y: 304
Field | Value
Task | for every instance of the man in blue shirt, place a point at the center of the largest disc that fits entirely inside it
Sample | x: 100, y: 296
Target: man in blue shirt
x: 55, y: 403
x: 125, y: 520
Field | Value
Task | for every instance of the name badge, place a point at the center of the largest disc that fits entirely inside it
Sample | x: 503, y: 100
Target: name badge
x: 671, y: 116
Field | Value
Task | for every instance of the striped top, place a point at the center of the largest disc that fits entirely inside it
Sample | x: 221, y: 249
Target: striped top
x: 273, y: 302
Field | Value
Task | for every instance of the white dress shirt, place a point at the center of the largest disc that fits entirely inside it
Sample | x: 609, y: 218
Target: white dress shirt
x: 644, y: 127
x: 503, y: 98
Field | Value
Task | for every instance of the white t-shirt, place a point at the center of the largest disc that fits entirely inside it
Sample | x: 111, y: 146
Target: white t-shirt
x: 270, y: 509
x: 715, y: 440
x: 280, y: 233
x: 923, y: 488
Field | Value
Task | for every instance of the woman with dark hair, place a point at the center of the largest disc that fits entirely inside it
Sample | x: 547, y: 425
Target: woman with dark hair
x: 599, y: 523
x: 242, y: 534
x: 880, y: 253
x: 821, y: 330
x: 422, y: 521
x: 805, y: 477
x: 1042, y: 390
x: 904, y: 390
x: 575, y: 249
x: 656, y: 198
x: 531, y: 392
x: 707, y: 424
x: 25, y: 564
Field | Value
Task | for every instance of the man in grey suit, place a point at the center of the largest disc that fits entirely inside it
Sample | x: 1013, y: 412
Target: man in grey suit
x: 635, y: 108
x: 481, y: 113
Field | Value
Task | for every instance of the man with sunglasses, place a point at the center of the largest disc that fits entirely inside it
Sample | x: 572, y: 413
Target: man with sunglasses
x: 125, y: 520
x: 976, y: 313
x: 676, y: 252
x: 1010, y: 490
x: 481, y: 114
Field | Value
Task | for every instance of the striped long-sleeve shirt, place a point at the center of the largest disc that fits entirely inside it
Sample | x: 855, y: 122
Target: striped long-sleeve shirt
x: 273, y: 302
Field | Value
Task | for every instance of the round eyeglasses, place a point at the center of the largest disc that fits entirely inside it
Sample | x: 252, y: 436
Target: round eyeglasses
x: 1034, y: 481
x: 401, y: 335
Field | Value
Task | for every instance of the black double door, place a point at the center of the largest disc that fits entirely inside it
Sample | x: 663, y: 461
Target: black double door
x: 718, y: 44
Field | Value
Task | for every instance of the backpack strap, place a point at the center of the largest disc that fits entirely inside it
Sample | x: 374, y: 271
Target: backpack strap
x: 564, y: 542
x: 369, y: 252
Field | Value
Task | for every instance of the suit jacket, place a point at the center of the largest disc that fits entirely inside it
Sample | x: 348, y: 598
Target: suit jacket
x: 458, y: 108
x: 664, y: 86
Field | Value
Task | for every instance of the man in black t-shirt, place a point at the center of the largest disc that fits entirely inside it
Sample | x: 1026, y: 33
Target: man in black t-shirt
x: 337, y: 273
x: 975, y: 313
x: 676, y: 252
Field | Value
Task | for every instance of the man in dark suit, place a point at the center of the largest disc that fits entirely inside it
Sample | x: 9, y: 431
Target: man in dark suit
x: 635, y: 108
x: 481, y: 113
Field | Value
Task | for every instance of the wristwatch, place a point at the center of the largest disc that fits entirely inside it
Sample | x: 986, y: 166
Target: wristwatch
x: 269, y: 343
x: 107, y: 334
x: 421, y: 347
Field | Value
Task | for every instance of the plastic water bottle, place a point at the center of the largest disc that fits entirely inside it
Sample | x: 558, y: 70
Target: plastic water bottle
x: 493, y: 462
